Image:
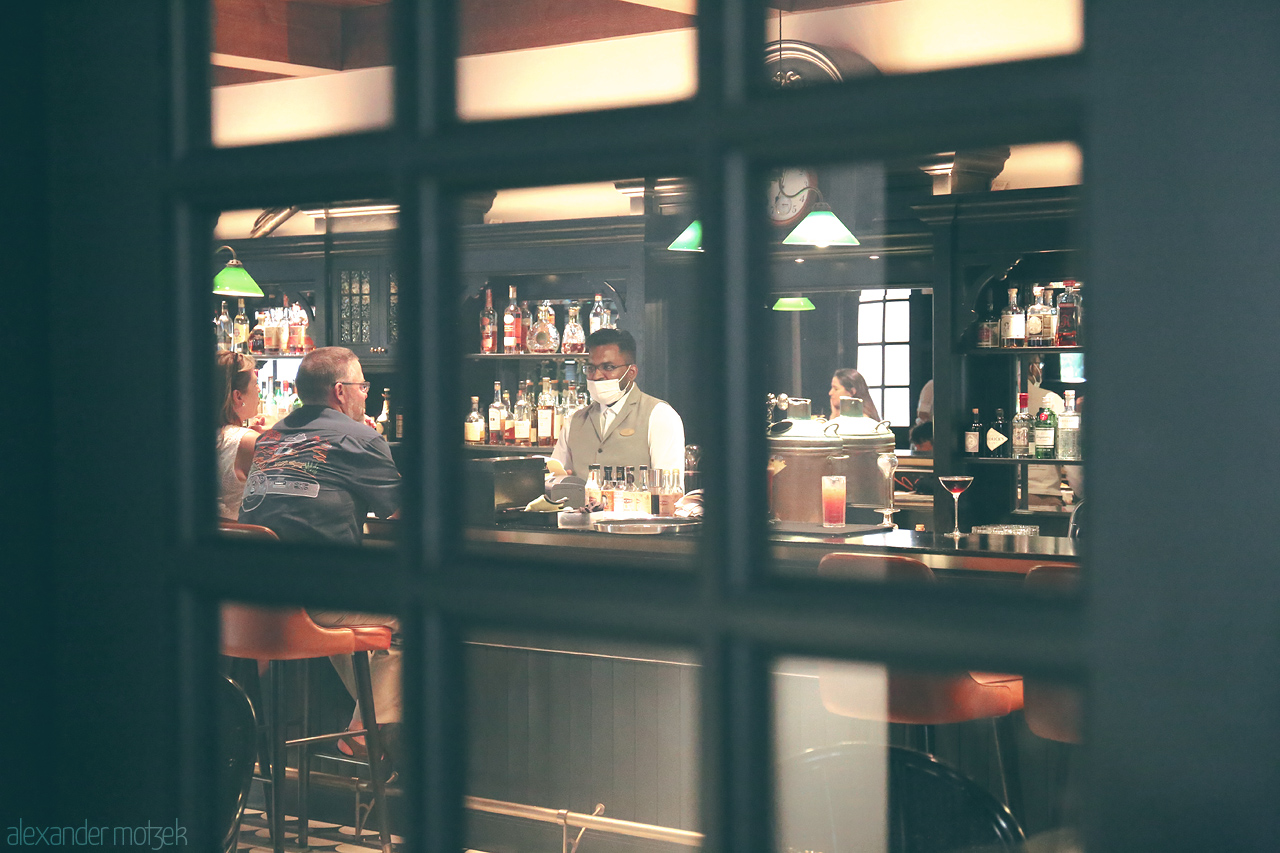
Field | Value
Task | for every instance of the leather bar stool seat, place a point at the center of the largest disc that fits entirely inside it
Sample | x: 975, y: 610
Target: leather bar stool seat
x: 1053, y: 710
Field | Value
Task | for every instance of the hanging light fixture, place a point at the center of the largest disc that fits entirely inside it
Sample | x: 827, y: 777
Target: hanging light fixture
x: 794, y: 303
x: 821, y: 228
x: 234, y: 279
x: 690, y: 239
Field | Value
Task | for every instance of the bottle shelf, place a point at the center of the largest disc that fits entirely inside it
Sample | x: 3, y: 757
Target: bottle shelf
x: 1020, y: 350
x: 968, y: 460
x: 525, y: 356
x: 508, y: 449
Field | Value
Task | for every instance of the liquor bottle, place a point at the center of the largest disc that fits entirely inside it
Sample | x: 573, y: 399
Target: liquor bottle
x: 532, y: 401
x: 526, y: 326
x: 297, y: 330
x: 544, y: 337
x: 508, y: 419
x: 512, y: 326
x: 672, y: 491
x: 473, y: 429
x: 257, y: 335
x: 563, y: 413
x: 996, y: 442
x: 973, y: 436
x: 497, y: 416
x: 1042, y: 319
x: 1069, y: 316
x: 546, y: 415
x: 281, y: 400
x: 575, y: 340
x: 1046, y: 433
x: 599, y: 317
x: 240, y: 336
x: 1069, y: 429
x: 222, y: 325
x: 1022, y: 427
x: 384, y: 425
x: 488, y: 325
x: 989, y: 326
x: 521, y: 419
x: 607, y: 488
x: 1013, y: 323
x: 593, y: 487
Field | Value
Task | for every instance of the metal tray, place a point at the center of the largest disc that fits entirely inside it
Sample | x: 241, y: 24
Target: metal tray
x: 641, y: 526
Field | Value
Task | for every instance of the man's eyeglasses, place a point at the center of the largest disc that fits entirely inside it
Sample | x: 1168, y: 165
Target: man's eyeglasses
x: 594, y: 369
x: 364, y: 386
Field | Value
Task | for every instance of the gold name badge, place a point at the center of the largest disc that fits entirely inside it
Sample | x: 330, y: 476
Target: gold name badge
x: 627, y: 431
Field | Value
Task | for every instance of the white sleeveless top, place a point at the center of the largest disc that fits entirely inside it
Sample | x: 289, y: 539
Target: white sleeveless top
x: 230, y: 488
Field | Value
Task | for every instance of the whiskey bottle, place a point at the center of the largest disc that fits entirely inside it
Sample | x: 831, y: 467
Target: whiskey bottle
x: 512, y: 326
x: 545, y: 338
x: 488, y: 325
x: 546, y: 415
x: 1042, y: 319
x: 240, y: 339
x: 521, y: 419
x: 532, y: 401
x: 497, y: 416
x: 1022, y: 425
x: 384, y: 425
x: 508, y: 419
x: 996, y: 442
x: 599, y: 318
x: 1069, y: 429
x: 574, y: 339
x: 473, y: 429
x: 1069, y: 316
x: 1046, y: 433
x: 973, y: 436
x: 526, y: 326
x: 1013, y: 323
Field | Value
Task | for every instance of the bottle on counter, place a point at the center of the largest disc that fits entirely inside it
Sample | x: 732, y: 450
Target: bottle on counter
x: 1046, y: 433
x: 222, y: 326
x: 1013, y: 323
x: 1042, y: 319
x: 546, y: 415
x: 575, y: 341
x: 996, y: 441
x: 497, y: 416
x: 383, y: 423
x: 671, y: 491
x: 973, y: 436
x: 1069, y: 316
x: 240, y: 332
x: 1023, y: 424
x: 989, y: 326
x: 512, y: 326
x: 607, y: 488
x: 521, y: 418
x: 544, y: 336
x: 593, y: 487
x: 488, y: 325
x: 473, y: 428
x: 599, y: 317
x: 1069, y: 429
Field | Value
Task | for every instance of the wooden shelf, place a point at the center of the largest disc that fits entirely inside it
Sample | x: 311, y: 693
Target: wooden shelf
x: 525, y: 356
x: 1031, y: 461
x: 508, y: 449
x: 1020, y: 350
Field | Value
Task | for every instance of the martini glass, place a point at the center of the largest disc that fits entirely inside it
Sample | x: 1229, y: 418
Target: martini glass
x: 888, y: 463
x: 955, y: 484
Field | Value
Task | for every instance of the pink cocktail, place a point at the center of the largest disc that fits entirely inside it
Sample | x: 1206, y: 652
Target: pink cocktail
x: 833, y: 501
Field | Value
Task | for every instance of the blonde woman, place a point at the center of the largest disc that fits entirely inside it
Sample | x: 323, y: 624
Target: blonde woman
x: 236, y: 390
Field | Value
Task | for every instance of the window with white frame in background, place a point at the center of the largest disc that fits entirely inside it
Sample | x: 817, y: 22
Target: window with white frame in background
x: 884, y: 351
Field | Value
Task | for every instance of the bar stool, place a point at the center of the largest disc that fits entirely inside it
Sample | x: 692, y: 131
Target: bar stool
x: 924, y: 699
x: 1052, y: 710
x: 280, y: 634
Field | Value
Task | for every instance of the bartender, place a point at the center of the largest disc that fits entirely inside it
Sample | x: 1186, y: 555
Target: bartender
x: 623, y: 425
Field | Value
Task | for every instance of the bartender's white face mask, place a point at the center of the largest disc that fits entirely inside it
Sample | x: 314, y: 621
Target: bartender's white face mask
x: 606, y: 392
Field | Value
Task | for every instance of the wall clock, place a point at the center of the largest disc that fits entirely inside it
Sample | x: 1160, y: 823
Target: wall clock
x: 792, y: 194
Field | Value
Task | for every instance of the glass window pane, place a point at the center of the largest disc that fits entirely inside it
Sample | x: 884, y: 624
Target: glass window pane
x: 869, y: 363
x: 814, y: 44
x: 533, y: 415
x: 897, y: 321
x: 898, y: 293
x: 306, y: 323
x: 922, y: 755
x: 897, y: 364
x: 871, y: 323
x: 897, y: 406
x: 515, y: 59
x: 871, y: 295
x: 569, y: 723
x: 287, y: 71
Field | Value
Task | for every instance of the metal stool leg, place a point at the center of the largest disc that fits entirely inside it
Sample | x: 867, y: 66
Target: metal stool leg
x: 277, y: 729
x: 373, y: 742
x: 304, y: 756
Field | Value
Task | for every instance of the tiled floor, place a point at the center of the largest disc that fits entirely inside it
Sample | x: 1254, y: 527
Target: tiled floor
x: 255, y: 838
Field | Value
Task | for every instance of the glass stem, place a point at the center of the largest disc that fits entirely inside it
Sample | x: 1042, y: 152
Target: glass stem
x: 956, y: 500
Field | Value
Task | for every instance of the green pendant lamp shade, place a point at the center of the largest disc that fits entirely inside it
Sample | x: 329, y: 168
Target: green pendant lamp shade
x: 690, y: 239
x: 793, y: 303
x: 234, y: 280
x: 821, y: 228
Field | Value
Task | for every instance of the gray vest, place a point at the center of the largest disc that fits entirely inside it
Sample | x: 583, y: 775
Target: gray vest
x: 627, y: 442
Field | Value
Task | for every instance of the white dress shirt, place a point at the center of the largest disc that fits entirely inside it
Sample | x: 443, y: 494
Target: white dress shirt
x: 666, y: 434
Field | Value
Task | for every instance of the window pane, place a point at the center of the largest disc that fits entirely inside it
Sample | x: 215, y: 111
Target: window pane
x: 897, y: 406
x: 871, y: 323
x: 814, y: 44
x: 556, y: 723
x: 305, y: 376
x: 869, y: 363
x: 898, y: 293
x: 897, y: 364
x: 543, y: 269
x: 897, y: 321
x: 525, y: 59
x: 949, y: 760
x: 284, y: 71
x: 871, y: 295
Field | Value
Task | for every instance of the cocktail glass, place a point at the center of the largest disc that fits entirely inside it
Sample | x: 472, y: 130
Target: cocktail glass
x: 888, y: 463
x: 955, y: 484
x: 833, y: 495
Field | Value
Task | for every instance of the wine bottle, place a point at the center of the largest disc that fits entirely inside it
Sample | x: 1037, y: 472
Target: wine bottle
x: 473, y: 428
x: 996, y: 442
x: 488, y: 325
x: 973, y: 435
x: 1013, y: 322
x: 1046, y: 433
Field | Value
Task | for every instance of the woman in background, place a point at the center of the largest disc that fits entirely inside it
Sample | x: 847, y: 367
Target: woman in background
x: 236, y: 390
x: 848, y: 382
